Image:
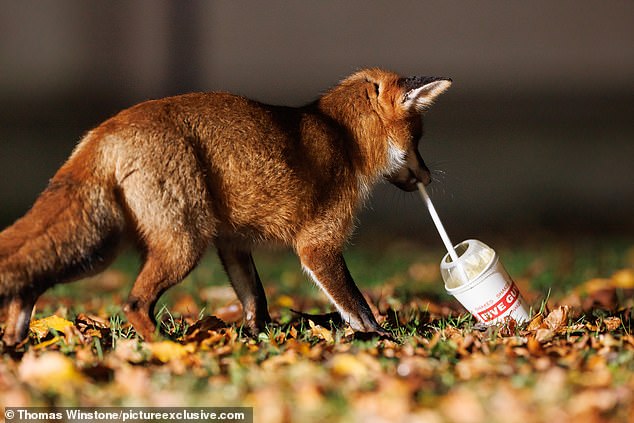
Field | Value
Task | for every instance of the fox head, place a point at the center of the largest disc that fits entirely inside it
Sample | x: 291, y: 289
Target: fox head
x: 383, y: 111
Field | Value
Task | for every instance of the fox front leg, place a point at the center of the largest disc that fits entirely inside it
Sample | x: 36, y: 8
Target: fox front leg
x: 328, y: 270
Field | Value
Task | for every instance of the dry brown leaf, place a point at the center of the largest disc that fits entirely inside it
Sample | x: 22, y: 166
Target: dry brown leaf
x: 293, y: 332
x: 557, y: 319
x: 203, y: 328
x: 289, y: 357
x: 535, y: 323
x: 320, y: 332
x: 92, y: 321
x: 581, y: 342
x: 534, y: 346
x: 302, y: 348
x: 612, y: 323
x: 543, y: 335
x: 213, y: 340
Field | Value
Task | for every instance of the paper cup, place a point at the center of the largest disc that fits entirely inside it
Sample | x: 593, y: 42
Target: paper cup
x: 490, y: 294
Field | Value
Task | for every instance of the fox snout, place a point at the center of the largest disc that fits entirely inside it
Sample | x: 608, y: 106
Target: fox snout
x: 414, y: 170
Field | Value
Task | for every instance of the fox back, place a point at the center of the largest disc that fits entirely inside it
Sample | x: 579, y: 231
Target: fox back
x: 181, y: 173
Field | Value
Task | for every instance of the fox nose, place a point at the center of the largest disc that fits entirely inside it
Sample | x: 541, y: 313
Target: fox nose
x: 420, y: 172
x: 420, y: 175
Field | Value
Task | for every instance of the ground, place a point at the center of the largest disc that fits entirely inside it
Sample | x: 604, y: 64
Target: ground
x: 574, y: 361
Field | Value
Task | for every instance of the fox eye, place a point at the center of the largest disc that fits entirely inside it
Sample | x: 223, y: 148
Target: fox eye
x: 377, y: 87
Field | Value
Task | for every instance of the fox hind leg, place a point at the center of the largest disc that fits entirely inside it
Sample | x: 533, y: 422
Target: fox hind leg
x: 160, y: 271
x: 169, y: 203
x: 245, y: 280
x: 19, y: 311
x: 172, y: 249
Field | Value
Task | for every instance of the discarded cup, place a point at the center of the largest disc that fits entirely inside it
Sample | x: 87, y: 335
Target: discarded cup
x: 489, y: 294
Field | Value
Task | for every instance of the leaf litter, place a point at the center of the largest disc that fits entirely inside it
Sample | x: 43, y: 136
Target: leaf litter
x: 573, y: 361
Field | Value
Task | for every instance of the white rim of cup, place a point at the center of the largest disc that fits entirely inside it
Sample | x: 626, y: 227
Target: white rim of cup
x: 478, y: 278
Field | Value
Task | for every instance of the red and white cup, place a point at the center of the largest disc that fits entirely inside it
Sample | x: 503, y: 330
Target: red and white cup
x: 489, y: 293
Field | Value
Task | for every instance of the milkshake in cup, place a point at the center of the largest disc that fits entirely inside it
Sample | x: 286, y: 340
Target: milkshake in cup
x: 474, y: 275
x: 489, y: 293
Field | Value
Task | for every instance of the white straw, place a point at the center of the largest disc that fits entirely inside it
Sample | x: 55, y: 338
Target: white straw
x: 441, y: 231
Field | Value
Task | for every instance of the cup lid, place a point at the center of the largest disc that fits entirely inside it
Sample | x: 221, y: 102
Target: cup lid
x: 474, y: 256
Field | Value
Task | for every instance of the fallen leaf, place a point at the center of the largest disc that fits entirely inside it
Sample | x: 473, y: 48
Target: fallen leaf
x: 535, y: 323
x: 51, y: 371
x: 85, y: 320
x: 302, y: 348
x: 320, y: 332
x: 92, y: 326
x: 165, y: 351
x: 348, y: 365
x: 543, y: 335
x: 612, y: 323
x: 202, y: 329
x: 214, y: 340
x: 45, y: 344
x: 276, y: 361
x: 42, y: 327
x: 557, y: 318
x: 534, y: 346
x: 293, y: 332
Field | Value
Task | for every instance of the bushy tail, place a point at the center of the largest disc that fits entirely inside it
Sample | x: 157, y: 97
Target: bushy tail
x: 71, y: 231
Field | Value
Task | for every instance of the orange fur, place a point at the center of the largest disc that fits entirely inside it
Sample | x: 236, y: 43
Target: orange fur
x: 184, y: 172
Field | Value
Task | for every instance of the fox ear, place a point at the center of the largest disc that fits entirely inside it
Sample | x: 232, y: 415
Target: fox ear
x: 421, y: 91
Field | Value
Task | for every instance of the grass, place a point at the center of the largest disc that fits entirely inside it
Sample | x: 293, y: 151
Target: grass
x: 567, y: 364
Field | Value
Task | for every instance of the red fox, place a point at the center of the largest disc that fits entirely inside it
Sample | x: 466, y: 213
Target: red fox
x: 181, y: 173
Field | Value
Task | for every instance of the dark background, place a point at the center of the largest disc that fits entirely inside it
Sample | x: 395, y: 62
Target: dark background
x: 536, y: 134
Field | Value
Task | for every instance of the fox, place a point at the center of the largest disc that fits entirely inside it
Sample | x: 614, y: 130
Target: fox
x: 178, y: 175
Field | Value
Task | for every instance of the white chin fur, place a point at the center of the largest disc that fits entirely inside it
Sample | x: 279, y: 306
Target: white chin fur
x: 395, y: 160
